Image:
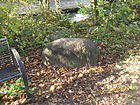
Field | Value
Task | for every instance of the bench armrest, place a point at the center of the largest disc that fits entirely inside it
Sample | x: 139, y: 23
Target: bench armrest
x: 17, y: 58
x: 22, y: 68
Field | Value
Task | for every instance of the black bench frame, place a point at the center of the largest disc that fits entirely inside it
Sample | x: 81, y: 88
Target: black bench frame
x: 11, y: 65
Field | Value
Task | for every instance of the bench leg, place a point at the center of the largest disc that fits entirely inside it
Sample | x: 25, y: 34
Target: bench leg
x: 26, y: 84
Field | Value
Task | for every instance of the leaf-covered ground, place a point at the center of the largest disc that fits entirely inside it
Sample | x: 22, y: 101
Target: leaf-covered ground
x: 109, y: 83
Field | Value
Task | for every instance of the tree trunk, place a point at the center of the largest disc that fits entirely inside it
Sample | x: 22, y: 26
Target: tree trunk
x: 45, y: 4
x: 57, y: 6
x: 94, y: 6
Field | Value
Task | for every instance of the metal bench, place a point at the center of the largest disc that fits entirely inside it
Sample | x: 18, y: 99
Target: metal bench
x: 11, y: 65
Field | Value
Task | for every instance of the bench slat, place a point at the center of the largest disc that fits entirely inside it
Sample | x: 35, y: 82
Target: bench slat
x: 5, y: 54
x: 9, y: 72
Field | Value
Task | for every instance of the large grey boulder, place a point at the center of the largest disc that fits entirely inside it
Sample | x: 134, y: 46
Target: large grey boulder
x: 70, y: 52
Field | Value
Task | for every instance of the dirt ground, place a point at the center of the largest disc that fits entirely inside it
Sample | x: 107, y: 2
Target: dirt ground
x: 115, y: 83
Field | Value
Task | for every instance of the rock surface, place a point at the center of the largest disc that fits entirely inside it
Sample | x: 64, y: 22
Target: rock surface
x: 23, y: 8
x: 70, y: 52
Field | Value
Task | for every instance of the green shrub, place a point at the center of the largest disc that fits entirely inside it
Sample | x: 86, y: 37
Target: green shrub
x: 118, y: 26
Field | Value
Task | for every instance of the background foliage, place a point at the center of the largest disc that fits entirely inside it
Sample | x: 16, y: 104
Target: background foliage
x: 118, y: 21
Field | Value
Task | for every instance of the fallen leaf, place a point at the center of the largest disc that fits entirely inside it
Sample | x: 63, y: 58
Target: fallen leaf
x: 52, y: 88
